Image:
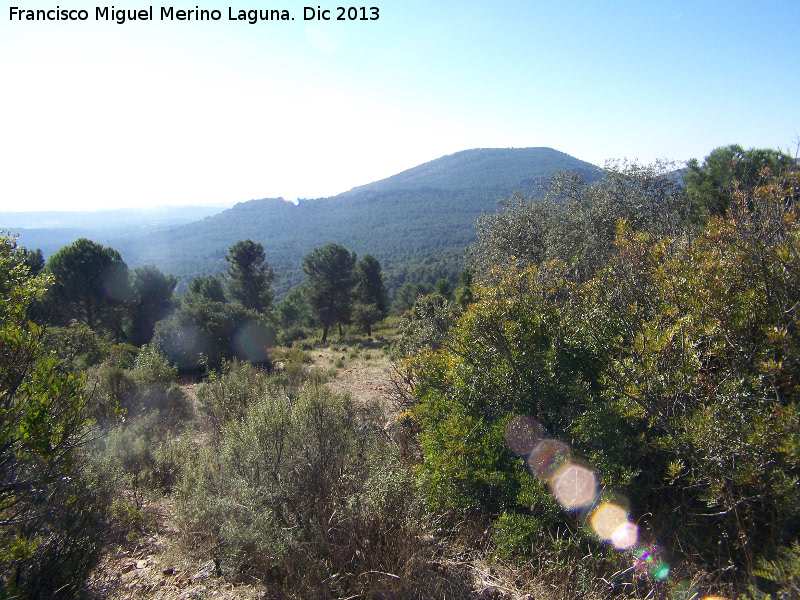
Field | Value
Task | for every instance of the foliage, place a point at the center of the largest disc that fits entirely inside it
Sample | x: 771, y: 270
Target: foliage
x: 206, y: 288
x: 90, y: 285
x: 463, y: 293
x: 711, y: 186
x: 294, y: 310
x: 132, y: 381
x: 307, y: 492
x: 139, y: 456
x: 76, y: 344
x: 673, y: 370
x: 372, y: 302
x: 224, y: 397
x: 249, y: 276
x: 329, y: 288
x: 781, y: 574
x: 408, y: 294
x: 204, y: 334
x: 428, y: 322
x: 444, y: 288
x: 46, y: 525
x: 33, y: 259
x: 152, y: 301
x: 575, y: 220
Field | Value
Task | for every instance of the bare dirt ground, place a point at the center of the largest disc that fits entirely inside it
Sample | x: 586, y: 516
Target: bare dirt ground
x: 365, y: 377
x: 154, y: 567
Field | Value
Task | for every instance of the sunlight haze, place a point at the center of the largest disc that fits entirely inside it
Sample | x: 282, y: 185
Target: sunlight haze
x: 102, y: 115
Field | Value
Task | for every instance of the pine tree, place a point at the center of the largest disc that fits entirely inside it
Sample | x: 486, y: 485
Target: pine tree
x: 329, y: 288
x: 372, y: 302
x: 250, y: 276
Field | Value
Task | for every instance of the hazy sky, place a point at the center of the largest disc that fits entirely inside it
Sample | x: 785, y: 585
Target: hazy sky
x: 94, y: 114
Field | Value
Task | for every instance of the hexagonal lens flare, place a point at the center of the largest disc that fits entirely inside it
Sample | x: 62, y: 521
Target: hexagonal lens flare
x: 606, y: 519
x: 574, y: 486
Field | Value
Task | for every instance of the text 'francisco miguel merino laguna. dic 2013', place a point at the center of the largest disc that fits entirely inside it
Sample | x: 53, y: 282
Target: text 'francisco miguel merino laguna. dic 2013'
x: 170, y: 13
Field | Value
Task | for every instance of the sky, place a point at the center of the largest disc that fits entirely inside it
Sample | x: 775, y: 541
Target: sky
x: 99, y: 115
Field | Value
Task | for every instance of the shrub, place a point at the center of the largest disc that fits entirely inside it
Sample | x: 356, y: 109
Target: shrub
x: 137, y: 456
x: 77, y: 344
x: 225, y: 396
x: 126, y: 384
x: 49, y: 523
x: 672, y: 368
x: 203, y: 334
x: 307, y: 491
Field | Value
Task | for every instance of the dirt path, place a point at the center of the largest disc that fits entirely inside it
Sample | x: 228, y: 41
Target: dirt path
x: 365, y: 377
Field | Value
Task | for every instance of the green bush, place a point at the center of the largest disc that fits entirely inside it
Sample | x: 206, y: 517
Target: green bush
x: 50, y: 524
x: 130, y: 382
x: 202, y: 335
x: 673, y: 368
x: 77, y: 344
x: 225, y: 396
x: 304, y: 489
x: 292, y: 334
x: 139, y: 457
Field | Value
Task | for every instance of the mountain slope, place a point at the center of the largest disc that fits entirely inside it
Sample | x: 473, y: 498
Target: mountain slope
x: 417, y: 223
x: 50, y: 230
x: 482, y: 168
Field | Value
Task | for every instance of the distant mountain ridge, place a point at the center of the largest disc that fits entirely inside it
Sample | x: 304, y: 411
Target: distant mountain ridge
x: 417, y: 223
x: 50, y: 230
x: 503, y: 168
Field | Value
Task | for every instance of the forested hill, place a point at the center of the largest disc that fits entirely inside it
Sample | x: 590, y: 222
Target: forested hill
x: 500, y: 169
x: 417, y: 223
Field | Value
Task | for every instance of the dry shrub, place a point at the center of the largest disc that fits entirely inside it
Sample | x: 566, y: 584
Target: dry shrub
x: 309, y: 495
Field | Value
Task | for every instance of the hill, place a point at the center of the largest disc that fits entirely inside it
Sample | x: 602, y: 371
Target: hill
x: 417, y: 223
x: 500, y: 169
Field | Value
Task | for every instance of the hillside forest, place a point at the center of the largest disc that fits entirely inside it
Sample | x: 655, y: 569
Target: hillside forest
x: 603, y: 402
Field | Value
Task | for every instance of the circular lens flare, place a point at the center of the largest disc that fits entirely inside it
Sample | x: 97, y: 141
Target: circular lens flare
x: 606, y: 519
x: 252, y: 340
x: 547, y: 457
x: 522, y: 434
x: 661, y: 571
x: 625, y: 536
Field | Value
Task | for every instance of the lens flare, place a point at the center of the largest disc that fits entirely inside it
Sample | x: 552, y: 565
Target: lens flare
x: 606, y: 519
x: 661, y: 571
x: 547, y: 457
x: 522, y: 434
x: 625, y: 536
x: 252, y: 340
x: 186, y: 346
x: 574, y: 486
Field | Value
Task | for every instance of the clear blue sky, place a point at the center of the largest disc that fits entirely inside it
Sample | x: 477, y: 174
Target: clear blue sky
x: 100, y: 115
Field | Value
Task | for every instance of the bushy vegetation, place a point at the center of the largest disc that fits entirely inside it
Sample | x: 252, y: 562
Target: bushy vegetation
x: 649, y: 327
x: 48, y: 519
x: 669, y: 365
x: 306, y: 491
